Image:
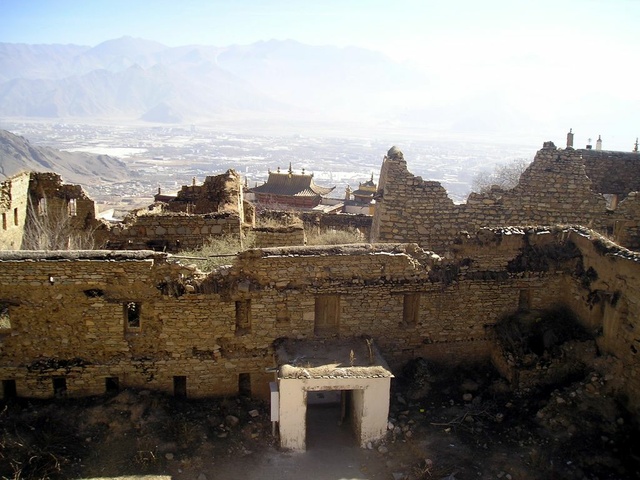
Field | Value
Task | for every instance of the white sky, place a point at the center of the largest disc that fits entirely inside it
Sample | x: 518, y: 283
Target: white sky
x: 571, y: 63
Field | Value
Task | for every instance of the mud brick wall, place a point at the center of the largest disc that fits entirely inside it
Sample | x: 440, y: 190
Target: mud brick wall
x: 322, y: 221
x: 279, y: 237
x: 612, y: 172
x: 68, y: 310
x: 626, y: 221
x: 171, y: 232
x: 49, y: 200
x: 14, y: 197
x: 553, y: 190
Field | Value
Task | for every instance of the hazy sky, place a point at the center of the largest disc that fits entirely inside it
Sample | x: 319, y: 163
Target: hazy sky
x: 563, y: 63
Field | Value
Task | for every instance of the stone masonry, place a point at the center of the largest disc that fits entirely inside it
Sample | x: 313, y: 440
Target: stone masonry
x: 553, y: 190
x: 88, y: 320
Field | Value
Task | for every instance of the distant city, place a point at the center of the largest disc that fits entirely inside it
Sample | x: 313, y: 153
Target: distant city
x: 166, y: 157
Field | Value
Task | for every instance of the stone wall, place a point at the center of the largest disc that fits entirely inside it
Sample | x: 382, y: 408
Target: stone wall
x: 266, y: 237
x: 14, y: 200
x: 39, y: 211
x: 612, y: 172
x: 170, y: 232
x: 70, y: 312
x: 553, y: 190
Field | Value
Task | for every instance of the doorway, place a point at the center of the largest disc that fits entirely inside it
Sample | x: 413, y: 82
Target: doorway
x: 329, y: 419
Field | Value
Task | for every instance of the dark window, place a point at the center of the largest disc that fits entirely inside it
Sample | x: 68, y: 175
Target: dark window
x: 112, y: 384
x: 15, y: 216
x: 180, y: 386
x: 9, y: 389
x: 327, y: 314
x: 411, y: 308
x: 5, y: 318
x: 59, y: 386
x: 132, y: 314
x: 244, y: 384
x: 4, y: 221
x: 243, y: 316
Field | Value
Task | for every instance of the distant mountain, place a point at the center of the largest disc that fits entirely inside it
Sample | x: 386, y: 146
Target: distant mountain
x: 18, y: 155
x: 140, y: 79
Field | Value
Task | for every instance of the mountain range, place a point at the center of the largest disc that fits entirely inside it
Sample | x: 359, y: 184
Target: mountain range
x: 139, y: 79
x: 17, y: 154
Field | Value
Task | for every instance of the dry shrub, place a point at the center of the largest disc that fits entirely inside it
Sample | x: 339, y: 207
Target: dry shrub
x: 335, y: 237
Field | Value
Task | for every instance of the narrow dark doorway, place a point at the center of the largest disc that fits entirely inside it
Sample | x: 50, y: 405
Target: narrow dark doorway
x: 180, y: 386
x: 244, y: 384
x: 59, y: 386
x: 9, y: 389
x: 112, y: 384
x: 329, y: 421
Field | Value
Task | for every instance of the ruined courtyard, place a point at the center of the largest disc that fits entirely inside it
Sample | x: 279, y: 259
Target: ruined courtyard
x: 490, y: 323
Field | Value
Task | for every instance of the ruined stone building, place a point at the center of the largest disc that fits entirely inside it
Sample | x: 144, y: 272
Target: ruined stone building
x: 287, y: 322
x: 555, y: 189
x: 33, y: 202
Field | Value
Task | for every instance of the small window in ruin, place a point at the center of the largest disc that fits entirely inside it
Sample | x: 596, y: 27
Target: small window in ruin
x: 411, y: 308
x: 243, y: 316
x: 59, y: 386
x: 112, y: 384
x: 73, y: 207
x: 327, y: 314
x: 132, y: 314
x: 4, y: 221
x: 524, y: 300
x: 180, y: 386
x: 15, y: 216
x: 244, y: 384
x: 42, y: 206
x: 5, y: 318
x: 9, y: 389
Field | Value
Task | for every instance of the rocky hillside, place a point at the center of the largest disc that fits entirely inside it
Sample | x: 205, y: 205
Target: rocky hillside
x: 17, y: 155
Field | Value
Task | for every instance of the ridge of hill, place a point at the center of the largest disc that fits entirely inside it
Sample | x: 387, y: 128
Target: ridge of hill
x: 17, y: 154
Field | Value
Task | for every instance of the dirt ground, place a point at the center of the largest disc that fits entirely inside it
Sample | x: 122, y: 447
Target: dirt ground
x: 443, y: 424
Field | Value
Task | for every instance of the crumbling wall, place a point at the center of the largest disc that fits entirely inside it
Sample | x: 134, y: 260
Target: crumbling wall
x: 213, y: 328
x: 219, y: 193
x: 553, y: 190
x: 35, y: 205
x: 266, y: 237
x: 611, y: 172
x: 170, y: 232
x: 14, y: 201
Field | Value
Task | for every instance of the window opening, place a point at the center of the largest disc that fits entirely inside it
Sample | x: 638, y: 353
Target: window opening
x: 112, y: 384
x: 42, y: 206
x: 4, y: 221
x: 524, y: 300
x: 73, y: 207
x: 59, y: 386
x: 5, y: 318
x: 132, y: 314
x: 180, y: 386
x: 15, y: 216
x: 244, y: 384
x: 9, y: 389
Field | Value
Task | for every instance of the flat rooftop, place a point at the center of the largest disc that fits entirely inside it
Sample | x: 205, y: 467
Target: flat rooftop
x: 330, y: 358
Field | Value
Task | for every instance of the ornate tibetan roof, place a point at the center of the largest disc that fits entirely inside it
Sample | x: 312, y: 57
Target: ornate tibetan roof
x: 292, y: 184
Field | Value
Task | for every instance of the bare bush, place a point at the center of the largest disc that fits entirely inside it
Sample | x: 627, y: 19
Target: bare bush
x: 505, y: 176
x: 54, y: 229
x: 219, y: 250
x: 335, y: 237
